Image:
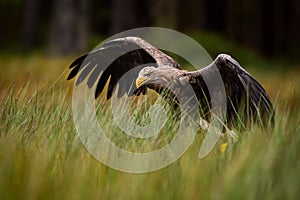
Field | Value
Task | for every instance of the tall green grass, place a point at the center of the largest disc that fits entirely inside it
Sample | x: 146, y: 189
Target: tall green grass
x: 41, y: 156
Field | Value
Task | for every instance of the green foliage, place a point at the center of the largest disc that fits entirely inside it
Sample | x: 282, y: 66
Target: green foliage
x: 41, y: 156
x: 216, y: 43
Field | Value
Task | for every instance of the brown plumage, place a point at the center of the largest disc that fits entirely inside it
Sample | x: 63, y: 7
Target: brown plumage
x: 148, y: 67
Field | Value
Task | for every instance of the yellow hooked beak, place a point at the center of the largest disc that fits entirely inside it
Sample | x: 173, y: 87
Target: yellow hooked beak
x: 140, y: 81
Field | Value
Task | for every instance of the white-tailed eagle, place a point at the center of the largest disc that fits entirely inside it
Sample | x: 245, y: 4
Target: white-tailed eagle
x: 247, y: 101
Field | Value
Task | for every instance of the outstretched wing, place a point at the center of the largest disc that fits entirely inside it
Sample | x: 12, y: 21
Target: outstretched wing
x: 118, y: 57
x: 247, y: 100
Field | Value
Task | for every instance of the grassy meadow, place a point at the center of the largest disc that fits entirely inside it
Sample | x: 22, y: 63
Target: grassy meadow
x: 41, y: 156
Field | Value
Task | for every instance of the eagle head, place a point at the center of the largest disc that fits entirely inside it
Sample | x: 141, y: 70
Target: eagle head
x: 157, y: 77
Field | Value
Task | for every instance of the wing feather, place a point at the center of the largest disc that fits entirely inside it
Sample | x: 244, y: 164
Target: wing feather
x: 250, y: 98
x: 247, y: 100
x: 113, y: 60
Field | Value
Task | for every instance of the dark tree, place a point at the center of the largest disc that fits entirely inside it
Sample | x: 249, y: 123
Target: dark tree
x: 30, y: 23
x: 123, y: 15
x: 164, y: 13
x: 69, y: 29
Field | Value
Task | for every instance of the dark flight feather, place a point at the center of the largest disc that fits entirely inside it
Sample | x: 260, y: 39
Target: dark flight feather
x: 114, y: 60
x: 247, y: 101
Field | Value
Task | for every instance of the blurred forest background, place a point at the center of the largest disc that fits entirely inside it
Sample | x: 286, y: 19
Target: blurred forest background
x: 67, y: 27
x: 41, y: 156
